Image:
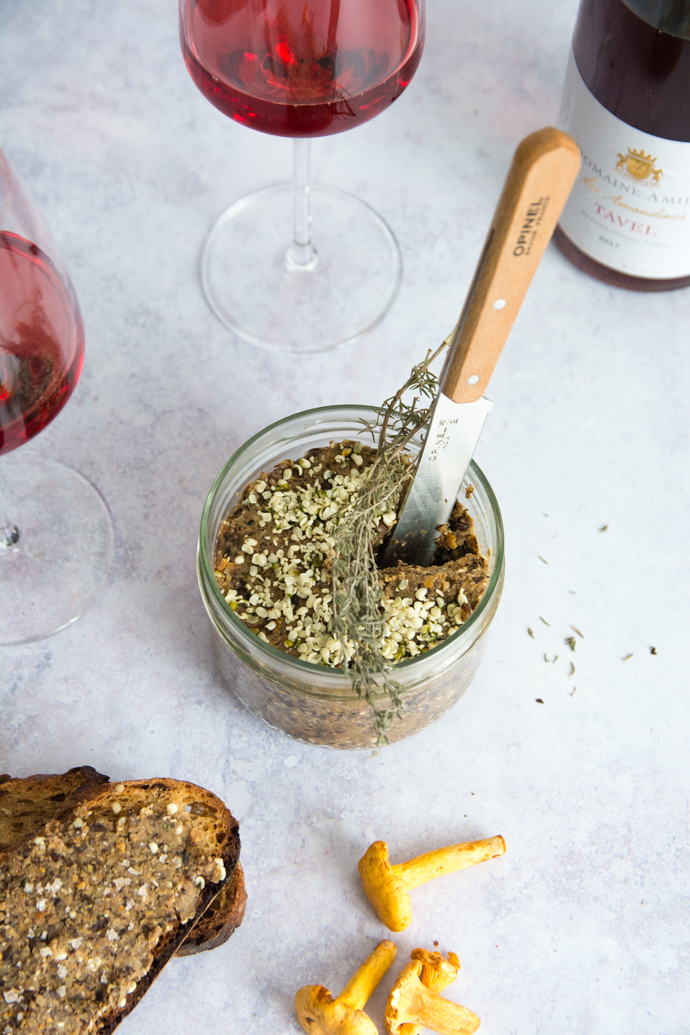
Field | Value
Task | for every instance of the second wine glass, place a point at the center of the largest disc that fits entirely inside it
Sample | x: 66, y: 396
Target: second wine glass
x: 56, y: 534
x: 301, y: 69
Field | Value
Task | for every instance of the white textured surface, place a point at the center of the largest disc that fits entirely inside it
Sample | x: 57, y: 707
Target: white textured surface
x: 583, y: 925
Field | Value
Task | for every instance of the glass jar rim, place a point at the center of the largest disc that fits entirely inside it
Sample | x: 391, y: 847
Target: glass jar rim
x: 206, y: 567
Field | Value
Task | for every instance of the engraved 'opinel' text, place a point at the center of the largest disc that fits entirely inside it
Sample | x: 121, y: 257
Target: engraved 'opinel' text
x: 528, y: 230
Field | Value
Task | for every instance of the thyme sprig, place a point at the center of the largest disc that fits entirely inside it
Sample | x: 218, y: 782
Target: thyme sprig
x: 358, y: 618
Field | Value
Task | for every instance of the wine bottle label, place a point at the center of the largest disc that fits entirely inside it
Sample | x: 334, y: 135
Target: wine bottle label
x: 630, y: 206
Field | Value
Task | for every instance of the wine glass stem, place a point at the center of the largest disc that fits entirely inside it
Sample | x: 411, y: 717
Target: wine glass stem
x: 9, y: 533
x: 302, y: 254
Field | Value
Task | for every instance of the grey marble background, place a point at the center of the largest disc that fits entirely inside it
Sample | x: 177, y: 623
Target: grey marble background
x: 583, y: 925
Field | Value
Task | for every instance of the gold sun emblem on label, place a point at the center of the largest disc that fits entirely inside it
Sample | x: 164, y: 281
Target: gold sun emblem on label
x: 639, y: 166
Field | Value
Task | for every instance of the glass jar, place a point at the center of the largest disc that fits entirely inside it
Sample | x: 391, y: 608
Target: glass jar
x: 315, y: 703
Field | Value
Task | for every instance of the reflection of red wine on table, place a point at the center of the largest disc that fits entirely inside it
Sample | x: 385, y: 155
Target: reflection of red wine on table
x: 297, y: 69
x: 41, y: 341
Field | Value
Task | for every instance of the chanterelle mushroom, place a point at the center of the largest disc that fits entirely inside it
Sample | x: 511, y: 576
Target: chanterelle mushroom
x: 410, y: 1003
x: 320, y: 1014
x: 387, y: 886
x: 436, y: 974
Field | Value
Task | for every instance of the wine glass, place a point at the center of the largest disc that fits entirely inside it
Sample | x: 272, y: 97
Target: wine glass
x: 301, y: 69
x: 56, y: 534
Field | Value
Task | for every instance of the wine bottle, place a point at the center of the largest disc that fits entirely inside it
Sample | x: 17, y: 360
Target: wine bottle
x: 626, y: 101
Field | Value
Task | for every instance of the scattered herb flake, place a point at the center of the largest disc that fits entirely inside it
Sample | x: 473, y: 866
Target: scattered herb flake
x: 652, y: 650
x: 627, y: 657
x: 544, y: 621
x: 571, y: 642
x: 573, y: 691
x: 542, y: 558
x: 575, y: 629
x: 530, y: 631
x: 572, y: 669
x: 555, y: 659
x: 538, y: 700
x: 603, y: 528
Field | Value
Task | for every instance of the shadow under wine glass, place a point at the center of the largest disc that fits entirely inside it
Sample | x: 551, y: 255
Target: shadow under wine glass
x: 301, y: 268
x: 56, y: 533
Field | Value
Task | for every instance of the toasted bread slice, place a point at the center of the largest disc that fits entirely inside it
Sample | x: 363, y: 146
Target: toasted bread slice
x: 93, y: 907
x: 29, y: 802
x: 26, y: 804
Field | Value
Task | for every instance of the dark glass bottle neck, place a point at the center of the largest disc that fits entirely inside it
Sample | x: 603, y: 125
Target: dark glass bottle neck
x: 671, y: 16
x: 637, y: 71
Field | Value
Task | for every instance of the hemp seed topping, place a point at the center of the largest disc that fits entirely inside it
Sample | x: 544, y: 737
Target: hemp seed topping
x: 274, y: 552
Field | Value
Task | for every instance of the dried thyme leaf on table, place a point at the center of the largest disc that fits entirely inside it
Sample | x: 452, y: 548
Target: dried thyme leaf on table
x: 358, y: 620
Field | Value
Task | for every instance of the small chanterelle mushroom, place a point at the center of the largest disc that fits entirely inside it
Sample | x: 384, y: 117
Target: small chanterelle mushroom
x: 410, y: 1006
x: 436, y: 974
x: 387, y: 886
x: 320, y: 1014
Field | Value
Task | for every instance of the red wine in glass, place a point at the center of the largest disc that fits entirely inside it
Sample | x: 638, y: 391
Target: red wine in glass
x: 299, y: 72
x: 41, y: 341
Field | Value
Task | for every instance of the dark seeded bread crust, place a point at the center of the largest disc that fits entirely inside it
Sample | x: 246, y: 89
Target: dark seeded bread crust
x: 207, y: 828
x: 222, y: 918
x: 27, y: 803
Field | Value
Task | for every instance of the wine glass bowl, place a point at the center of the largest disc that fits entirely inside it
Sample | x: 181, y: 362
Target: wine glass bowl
x: 301, y: 69
x: 56, y: 534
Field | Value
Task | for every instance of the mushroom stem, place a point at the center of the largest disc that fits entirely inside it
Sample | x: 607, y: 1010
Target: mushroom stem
x: 366, y: 978
x: 448, y: 860
x: 444, y: 1016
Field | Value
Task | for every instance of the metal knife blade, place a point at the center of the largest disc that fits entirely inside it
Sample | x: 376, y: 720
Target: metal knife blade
x: 536, y: 189
x: 453, y: 433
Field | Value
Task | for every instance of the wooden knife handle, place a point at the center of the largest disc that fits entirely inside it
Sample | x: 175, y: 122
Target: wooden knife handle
x: 536, y: 189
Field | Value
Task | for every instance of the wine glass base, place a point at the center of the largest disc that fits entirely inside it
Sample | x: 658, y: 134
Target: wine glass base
x: 259, y: 293
x: 64, y: 554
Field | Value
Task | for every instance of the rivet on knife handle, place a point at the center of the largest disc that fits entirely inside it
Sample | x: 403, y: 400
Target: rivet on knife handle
x: 538, y: 184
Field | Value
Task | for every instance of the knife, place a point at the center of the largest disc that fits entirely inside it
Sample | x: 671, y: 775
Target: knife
x: 536, y: 189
